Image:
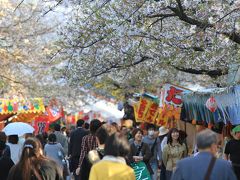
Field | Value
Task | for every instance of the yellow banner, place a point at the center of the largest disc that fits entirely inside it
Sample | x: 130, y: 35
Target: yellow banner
x: 135, y: 107
x: 143, y: 108
x: 152, y: 113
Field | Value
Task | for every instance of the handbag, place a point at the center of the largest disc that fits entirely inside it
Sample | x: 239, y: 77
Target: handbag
x: 210, y: 167
x: 65, y: 163
x: 66, y: 171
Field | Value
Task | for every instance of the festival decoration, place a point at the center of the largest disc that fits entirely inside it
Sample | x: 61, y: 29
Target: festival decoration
x: 54, y: 110
x: 12, y: 106
x: 211, y: 104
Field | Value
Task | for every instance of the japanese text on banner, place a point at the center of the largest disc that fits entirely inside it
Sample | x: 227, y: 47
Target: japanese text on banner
x: 143, y: 108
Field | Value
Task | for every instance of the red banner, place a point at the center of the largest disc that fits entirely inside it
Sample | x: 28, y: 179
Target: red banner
x: 41, y: 124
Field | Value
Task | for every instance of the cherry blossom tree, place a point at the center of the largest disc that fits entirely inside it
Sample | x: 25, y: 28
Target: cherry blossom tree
x: 150, y: 41
x: 25, y: 48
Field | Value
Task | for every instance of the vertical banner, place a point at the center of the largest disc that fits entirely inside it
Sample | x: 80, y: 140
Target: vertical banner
x: 135, y: 108
x: 170, y: 104
x: 143, y: 108
x: 152, y: 113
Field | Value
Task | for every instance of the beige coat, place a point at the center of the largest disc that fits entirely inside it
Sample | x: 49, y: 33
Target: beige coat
x: 172, y: 154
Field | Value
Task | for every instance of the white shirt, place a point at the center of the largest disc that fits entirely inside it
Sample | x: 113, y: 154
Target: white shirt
x: 15, y: 151
x: 163, y: 143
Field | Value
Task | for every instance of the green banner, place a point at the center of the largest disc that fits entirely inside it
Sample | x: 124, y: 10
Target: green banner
x: 141, y: 171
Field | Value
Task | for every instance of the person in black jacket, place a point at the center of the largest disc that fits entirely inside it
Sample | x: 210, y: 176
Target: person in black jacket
x: 6, y: 149
x: 75, y: 143
x: 5, y: 161
x: 139, y: 151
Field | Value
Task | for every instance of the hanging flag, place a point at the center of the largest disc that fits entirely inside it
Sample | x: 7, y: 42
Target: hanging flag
x: 54, y: 111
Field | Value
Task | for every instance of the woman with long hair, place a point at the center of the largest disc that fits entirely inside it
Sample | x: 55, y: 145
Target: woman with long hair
x: 34, y: 165
x: 173, y: 152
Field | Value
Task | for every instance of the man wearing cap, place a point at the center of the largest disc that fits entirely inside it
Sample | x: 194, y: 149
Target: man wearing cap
x: 232, y: 151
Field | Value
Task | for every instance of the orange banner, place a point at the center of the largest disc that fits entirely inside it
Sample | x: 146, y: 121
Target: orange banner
x: 167, y: 115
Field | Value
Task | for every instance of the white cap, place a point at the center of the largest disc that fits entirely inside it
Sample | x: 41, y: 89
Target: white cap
x: 162, y: 131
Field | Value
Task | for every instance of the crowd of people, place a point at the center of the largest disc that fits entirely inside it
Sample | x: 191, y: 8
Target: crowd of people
x: 99, y: 151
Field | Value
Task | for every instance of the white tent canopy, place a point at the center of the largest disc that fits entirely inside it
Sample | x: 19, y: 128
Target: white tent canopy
x: 108, y: 110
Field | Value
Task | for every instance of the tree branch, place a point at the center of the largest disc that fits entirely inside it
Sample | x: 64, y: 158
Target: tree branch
x: 53, y: 7
x: 12, y: 80
x: 161, y: 15
x: 182, y: 16
x: 203, y: 25
x: 112, y: 31
x: 119, y: 66
x: 232, y: 36
x: 18, y: 5
x: 212, y: 73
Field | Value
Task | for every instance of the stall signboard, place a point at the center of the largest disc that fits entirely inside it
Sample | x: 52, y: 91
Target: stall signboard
x: 171, y: 95
x: 41, y: 124
x: 71, y: 119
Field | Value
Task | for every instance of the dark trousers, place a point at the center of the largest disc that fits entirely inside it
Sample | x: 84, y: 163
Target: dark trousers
x: 163, y: 172
x: 236, y: 169
x: 168, y: 175
x: 73, y: 165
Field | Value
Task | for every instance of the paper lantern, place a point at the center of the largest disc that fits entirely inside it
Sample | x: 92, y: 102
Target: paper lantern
x: 211, y: 104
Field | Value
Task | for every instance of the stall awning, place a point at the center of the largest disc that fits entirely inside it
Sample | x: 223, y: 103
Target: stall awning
x: 21, y: 109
